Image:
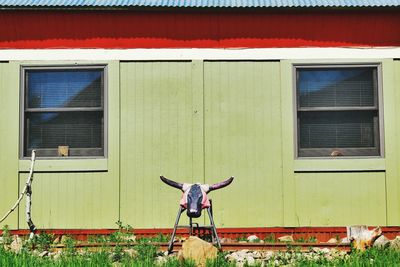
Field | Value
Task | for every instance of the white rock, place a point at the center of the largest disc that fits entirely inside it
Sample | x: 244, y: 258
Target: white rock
x: 242, y: 253
x: 332, y: 241
x: 56, y: 240
x: 64, y: 239
x: 226, y: 240
x: 286, y: 238
x: 267, y: 255
x: 250, y: 260
x: 395, y: 243
x: 131, y: 252
x: 382, y: 242
x: 43, y: 254
x: 257, y: 254
x: 57, y: 255
x: 329, y: 257
x: 316, y: 250
x: 232, y: 257
x: 16, y: 244
x: 160, y: 260
x: 345, y: 240
x: 325, y: 250
x: 253, y: 238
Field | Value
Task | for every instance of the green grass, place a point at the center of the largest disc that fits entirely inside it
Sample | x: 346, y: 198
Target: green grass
x: 147, y: 257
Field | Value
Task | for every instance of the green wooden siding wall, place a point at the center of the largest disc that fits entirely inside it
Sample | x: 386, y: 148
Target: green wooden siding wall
x: 202, y: 121
x: 340, y: 198
x: 161, y: 133
x: 9, y: 141
x: 75, y: 194
x: 63, y: 200
x: 243, y: 138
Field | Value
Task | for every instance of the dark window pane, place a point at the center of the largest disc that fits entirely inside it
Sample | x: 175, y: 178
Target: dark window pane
x: 64, y: 88
x: 334, y: 87
x: 74, y: 129
x: 340, y: 129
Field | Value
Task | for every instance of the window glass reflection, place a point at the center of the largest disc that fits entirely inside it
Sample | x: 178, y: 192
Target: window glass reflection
x: 64, y: 88
x: 347, y: 87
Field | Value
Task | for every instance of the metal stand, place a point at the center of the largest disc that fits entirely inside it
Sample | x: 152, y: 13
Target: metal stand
x: 215, y: 238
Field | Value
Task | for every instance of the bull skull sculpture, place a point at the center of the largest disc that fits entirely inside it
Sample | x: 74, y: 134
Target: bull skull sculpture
x: 194, y: 200
x: 194, y: 197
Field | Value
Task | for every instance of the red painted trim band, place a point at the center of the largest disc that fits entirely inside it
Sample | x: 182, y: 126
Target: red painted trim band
x: 322, y: 234
x: 180, y: 29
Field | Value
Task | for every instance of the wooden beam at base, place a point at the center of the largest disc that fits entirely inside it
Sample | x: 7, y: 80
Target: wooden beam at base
x: 322, y: 234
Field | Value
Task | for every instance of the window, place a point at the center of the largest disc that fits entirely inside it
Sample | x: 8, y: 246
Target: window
x: 338, y: 111
x: 63, y: 111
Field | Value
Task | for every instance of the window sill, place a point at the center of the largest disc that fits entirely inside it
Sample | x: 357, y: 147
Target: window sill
x: 339, y: 164
x: 55, y: 165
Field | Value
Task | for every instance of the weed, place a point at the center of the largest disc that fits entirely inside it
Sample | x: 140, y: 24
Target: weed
x: 42, y: 241
x: 145, y: 252
x: 337, y: 237
x: 124, y: 233
x: 174, y: 262
x: 162, y: 238
x: 70, y: 249
x: 241, y: 238
x: 98, y: 239
x: 270, y: 238
x: 220, y: 261
x: 118, y: 254
x: 312, y: 239
x: 6, y: 235
x: 158, y: 238
x: 301, y: 240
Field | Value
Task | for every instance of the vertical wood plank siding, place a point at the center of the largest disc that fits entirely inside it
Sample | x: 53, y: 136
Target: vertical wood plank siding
x: 73, y: 197
x: 242, y: 138
x: 393, y: 181
x: 202, y: 122
x: 340, y: 198
x: 158, y: 117
x: 72, y: 200
x: 8, y: 142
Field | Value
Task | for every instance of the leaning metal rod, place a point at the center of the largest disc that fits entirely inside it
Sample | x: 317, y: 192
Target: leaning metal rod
x: 213, y: 228
x: 171, y: 242
x: 28, y: 191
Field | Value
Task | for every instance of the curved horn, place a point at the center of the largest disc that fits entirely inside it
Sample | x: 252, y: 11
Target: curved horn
x: 171, y: 183
x: 221, y: 184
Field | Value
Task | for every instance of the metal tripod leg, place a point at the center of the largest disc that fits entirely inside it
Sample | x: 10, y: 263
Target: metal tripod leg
x: 213, y: 228
x: 171, y: 242
x: 190, y: 226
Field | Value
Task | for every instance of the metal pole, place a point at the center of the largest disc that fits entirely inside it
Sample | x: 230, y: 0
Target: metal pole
x: 213, y: 228
x: 171, y: 242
